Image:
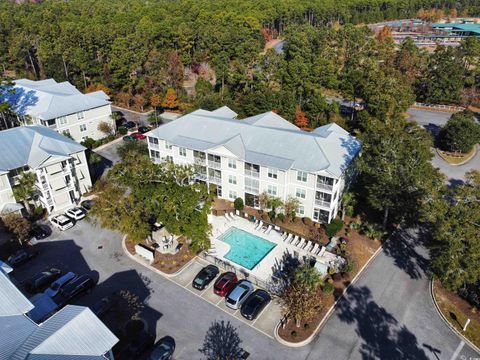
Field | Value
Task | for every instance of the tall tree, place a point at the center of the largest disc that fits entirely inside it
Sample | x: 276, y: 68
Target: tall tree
x: 460, y: 133
x: 170, y: 102
x: 25, y: 188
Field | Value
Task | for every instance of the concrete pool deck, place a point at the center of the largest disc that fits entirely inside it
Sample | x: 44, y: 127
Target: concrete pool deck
x: 264, y: 269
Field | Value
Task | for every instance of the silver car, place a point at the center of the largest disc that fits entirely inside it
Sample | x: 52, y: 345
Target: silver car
x: 239, y: 294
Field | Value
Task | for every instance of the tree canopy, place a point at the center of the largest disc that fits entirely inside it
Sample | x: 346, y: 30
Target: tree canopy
x: 460, y: 133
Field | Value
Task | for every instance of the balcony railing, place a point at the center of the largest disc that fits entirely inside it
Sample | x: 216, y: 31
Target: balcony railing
x: 215, y: 179
x: 324, y: 186
x: 252, y: 190
x: 323, y: 203
x: 153, y: 145
x: 251, y: 173
x: 199, y: 161
x: 214, y: 164
x: 202, y: 177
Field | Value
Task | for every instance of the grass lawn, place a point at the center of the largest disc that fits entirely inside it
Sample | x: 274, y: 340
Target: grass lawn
x: 456, y: 159
x: 457, y: 311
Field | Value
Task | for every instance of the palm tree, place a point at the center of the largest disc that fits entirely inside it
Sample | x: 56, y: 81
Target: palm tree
x: 348, y: 201
x: 25, y: 188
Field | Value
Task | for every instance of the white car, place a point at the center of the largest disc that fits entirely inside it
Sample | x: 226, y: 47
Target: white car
x: 61, y: 222
x: 75, y: 213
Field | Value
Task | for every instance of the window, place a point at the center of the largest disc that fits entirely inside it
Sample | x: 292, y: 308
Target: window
x: 302, y: 176
x: 232, y: 195
x: 153, y: 140
x: 272, y: 173
x: 272, y: 190
x: 80, y: 115
x: 83, y: 127
x: 62, y: 120
x: 154, y: 154
x: 169, y: 158
x: 168, y: 146
x: 232, y: 179
x: 301, y: 210
x: 320, y: 215
x: 300, y: 193
x: 232, y: 163
x: 182, y: 151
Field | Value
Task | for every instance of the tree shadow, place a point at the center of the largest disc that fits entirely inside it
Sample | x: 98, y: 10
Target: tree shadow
x: 352, y: 147
x: 382, y: 335
x: 401, y: 247
x: 455, y: 182
x: 434, y: 129
x: 20, y: 100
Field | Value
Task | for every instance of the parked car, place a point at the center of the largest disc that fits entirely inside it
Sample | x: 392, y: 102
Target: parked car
x: 58, y: 284
x: 239, y: 294
x: 129, y: 138
x: 225, y: 283
x: 77, y: 213
x: 62, y: 222
x: 143, y: 129
x: 205, y: 277
x: 255, y: 303
x: 42, y: 280
x: 40, y: 232
x: 102, y: 306
x: 139, y: 136
x: 21, y: 257
x: 130, y: 125
x: 87, y: 204
x: 164, y: 349
x: 78, y: 286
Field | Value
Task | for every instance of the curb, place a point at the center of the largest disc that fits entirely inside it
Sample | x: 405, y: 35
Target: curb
x: 329, y: 312
x: 445, y: 320
x: 107, y: 144
x: 463, y: 162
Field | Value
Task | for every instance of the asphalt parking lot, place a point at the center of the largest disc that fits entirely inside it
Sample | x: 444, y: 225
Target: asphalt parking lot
x: 169, y: 308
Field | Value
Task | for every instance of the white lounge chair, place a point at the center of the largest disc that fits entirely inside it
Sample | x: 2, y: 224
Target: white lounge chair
x: 230, y: 215
x: 315, y: 247
x: 287, y: 238
x: 297, y: 241
x: 226, y: 217
x: 267, y: 230
x: 293, y: 240
x: 308, y: 246
x: 301, y: 243
x: 305, y: 243
x: 237, y: 212
x: 256, y: 223
x: 321, y: 251
x: 259, y: 226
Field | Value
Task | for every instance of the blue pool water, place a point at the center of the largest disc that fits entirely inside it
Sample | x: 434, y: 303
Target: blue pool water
x: 246, y: 249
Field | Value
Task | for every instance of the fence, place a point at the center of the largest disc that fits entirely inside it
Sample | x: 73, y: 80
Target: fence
x: 447, y: 108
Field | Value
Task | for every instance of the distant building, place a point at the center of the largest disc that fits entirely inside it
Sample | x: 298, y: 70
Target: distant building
x: 59, y: 163
x: 61, y: 107
x: 262, y: 153
x: 73, y: 333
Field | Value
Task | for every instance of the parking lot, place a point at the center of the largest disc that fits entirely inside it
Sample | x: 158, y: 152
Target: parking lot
x: 169, y: 306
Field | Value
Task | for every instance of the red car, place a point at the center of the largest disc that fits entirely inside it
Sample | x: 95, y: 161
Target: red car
x: 225, y: 283
x: 139, y: 136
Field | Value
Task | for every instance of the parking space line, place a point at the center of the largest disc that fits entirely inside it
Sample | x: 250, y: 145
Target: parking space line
x: 261, y: 312
x: 219, y: 301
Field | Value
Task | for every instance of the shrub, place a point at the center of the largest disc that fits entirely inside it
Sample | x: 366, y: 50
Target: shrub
x: 332, y: 270
x: 334, y: 227
x: 355, y: 224
x: 122, y: 130
x: 460, y: 133
x: 373, y: 231
x: 238, y: 204
x: 265, y: 217
x: 281, y: 217
x: 88, y: 143
x: 348, y: 268
x: 307, y: 221
x: 328, y: 288
x: 272, y: 214
x: 294, y: 333
x: 297, y: 221
x: 306, y: 326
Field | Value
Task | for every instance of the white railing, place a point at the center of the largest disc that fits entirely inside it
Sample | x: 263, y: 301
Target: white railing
x: 199, y: 161
x: 449, y: 108
x: 214, y: 164
x: 324, y: 186
x: 325, y: 204
x: 251, y: 173
x: 215, y: 179
x: 202, y: 177
x: 252, y: 190
x: 153, y: 145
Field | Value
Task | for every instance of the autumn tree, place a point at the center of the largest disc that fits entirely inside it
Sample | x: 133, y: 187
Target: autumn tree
x: 98, y: 87
x: 155, y: 101
x: 123, y: 99
x: 175, y: 71
x: 18, y: 226
x: 139, y: 101
x: 170, y: 101
x: 106, y: 128
x: 384, y: 34
x: 301, y: 118
x: 290, y: 207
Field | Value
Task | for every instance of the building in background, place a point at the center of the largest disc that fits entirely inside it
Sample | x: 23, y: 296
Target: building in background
x: 59, y: 163
x: 61, y: 107
x: 262, y: 153
x: 73, y: 333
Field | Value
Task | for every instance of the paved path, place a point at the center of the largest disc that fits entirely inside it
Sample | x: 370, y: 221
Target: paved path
x: 389, y: 314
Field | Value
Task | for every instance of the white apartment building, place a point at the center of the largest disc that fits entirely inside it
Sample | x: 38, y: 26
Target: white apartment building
x: 243, y: 158
x: 59, y: 163
x: 61, y: 107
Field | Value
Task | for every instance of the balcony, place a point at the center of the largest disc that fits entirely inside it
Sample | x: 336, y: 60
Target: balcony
x: 214, y: 164
x: 198, y: 160
x: 252, y: 190
x: 252, y: 173
x: 323, y: 203
x: 324, y: 186
x: 202, y: 177
x: 215, y: 180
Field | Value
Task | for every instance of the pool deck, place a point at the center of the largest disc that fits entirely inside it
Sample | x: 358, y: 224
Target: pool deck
x: 263, y: 270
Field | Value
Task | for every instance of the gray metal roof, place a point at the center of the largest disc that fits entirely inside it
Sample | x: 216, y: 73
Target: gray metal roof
x: 12, y: 301
x: 32, y: 146
x: 72, y: 332
x: 18, y: 328
x: 226, y: 112
x: 266, y: 139
x: 47, y: 99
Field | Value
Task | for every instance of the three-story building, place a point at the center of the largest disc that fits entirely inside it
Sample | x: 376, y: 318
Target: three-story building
x: 263, y: 153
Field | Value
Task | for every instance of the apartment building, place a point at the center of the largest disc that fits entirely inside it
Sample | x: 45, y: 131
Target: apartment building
x: 59, y: 163
x: 243, y: 158
x: 61, y: 107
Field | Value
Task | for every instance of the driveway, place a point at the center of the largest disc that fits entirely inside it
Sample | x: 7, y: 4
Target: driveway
x: 389, y: 314
x: 170, y: 309
x: 430, y: 120
x: 139, y: 118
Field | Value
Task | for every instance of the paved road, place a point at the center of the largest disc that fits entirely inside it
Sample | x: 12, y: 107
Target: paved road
x: 431, y: 120
x: 389, y: 314
x: 132, y: 115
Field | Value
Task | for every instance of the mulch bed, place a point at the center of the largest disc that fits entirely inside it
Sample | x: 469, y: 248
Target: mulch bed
x: 167, y: 263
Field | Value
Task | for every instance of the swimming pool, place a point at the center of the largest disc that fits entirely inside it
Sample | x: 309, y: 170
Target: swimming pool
x: 246, y: 249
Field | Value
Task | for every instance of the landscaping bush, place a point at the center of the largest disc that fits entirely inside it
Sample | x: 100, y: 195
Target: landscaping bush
x: 238, y: 204
x: 307, y: 221
x: 265, y: 217
x: 355, y: 224
x: 373, y: 231
x: 281, y: 217
x: 297, y: 221
x: 328, y: 288
x: 272, y: 214
x: 88, y: 143
x: 460, y: 133
x: 348, y: 268
x: 122, y: 130
x: 334, y: 227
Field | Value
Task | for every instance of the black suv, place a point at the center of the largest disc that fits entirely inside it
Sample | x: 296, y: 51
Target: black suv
x: 79, y: 286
